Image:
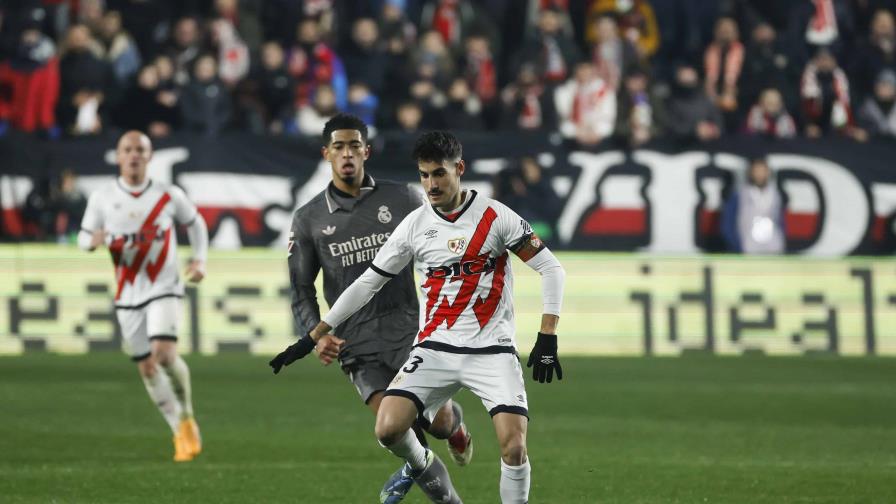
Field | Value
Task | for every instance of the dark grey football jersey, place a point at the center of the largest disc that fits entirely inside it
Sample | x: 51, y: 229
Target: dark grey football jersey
x: 340, y: 235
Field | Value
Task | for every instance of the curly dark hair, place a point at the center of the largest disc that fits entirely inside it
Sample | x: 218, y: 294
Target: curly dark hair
x: 438, y: 147
x: 344, y: 122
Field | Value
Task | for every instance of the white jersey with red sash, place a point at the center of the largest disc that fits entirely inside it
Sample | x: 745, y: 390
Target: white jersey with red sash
x: 463, y: 263
x: 141, y: 237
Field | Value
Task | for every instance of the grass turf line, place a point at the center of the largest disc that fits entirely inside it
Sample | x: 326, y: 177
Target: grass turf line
x: 616, y: 430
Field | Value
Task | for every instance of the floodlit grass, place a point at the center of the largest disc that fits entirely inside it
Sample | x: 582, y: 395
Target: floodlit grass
x: 641, y: 430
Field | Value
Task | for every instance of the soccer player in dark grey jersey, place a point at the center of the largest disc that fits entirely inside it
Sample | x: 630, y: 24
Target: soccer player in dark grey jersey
x: 339, y: 232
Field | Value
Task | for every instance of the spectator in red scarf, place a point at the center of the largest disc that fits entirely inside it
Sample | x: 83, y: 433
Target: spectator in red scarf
x: 586, y: 106
x: 528, y: 106
x: 31, y: 78
x: 824, y: 91
x: 769, y: 118
x: 723, y: 61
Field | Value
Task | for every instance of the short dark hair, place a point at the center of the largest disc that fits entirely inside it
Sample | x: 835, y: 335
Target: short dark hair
x: 344, y: 122
x: 437, y: 146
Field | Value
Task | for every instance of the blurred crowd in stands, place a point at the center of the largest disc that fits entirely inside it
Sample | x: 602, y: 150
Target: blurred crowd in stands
x: 587, y: 71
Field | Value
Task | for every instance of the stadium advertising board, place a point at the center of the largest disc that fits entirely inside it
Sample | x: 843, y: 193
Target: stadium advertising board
x: 840, y: 196
x: 59, y: 299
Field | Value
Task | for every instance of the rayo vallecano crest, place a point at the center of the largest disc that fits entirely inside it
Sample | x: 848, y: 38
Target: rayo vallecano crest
x: 457, y: 245
x: 384, y: 215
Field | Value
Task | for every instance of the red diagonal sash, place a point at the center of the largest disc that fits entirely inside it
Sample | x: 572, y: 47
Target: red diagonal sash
x: 127, y: 273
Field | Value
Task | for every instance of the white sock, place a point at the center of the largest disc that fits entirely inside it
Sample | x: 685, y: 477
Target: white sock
x: 179, y: 374
x: 162, y: 394
x: 409, y: 448
x: 515, y: 483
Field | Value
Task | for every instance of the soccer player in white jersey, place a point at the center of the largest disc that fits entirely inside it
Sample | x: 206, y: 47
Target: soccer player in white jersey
x: 135, y: 217
x: 459, y: 244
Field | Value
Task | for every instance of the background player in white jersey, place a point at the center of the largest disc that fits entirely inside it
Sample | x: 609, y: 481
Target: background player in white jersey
x: 466, y: 340
x: 135, y: 217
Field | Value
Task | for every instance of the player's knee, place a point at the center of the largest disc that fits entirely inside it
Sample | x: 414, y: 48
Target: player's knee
x: 165, y: 355
x: 443, y: 424
x: 387, y: 430
x: 163, y: 358
x: 514, y: 452
x: 146, y: 368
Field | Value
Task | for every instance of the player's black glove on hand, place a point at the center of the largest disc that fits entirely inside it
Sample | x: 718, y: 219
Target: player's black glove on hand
x: 292, y: 353
x: 544, y: 359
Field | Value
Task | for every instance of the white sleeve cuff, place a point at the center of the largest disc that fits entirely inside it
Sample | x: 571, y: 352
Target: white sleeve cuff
x: 84, y: 239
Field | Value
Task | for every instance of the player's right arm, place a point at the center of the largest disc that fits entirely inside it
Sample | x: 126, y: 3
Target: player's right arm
x: 395, y: 254
x: 92, y: 234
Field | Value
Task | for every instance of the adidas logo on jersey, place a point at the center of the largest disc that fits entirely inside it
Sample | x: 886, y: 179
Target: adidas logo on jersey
x: 329, y: 230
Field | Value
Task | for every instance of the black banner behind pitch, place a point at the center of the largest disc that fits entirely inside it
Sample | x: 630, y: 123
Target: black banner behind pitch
x: 840, y: 195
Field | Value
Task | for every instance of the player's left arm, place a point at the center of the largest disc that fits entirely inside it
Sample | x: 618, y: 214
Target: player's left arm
x: 186, y: 214
x: 532, y: 251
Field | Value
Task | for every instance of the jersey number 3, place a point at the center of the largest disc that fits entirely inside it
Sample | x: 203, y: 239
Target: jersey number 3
x: 412, y: 366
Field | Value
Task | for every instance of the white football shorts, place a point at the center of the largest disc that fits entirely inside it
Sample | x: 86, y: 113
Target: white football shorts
x: 430, y: 377
x: 159, y: 319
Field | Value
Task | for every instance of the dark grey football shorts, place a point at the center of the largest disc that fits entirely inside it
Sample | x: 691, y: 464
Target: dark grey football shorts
x: 374, y: 372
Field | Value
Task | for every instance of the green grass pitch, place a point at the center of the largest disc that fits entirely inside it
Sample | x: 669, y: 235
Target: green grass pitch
x: 617, y: 430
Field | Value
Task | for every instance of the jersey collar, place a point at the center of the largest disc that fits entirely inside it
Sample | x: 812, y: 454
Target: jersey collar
x: 471, y: 195
x: 134, y: 191
x: 333, y: 195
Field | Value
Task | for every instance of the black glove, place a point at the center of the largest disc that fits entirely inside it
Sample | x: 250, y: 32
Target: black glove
x: 544, y: 358
x: 293, y: 353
